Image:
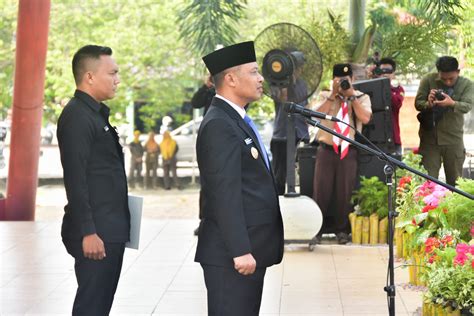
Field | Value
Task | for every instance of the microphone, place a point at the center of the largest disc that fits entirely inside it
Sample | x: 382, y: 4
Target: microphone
x: 291, y: 107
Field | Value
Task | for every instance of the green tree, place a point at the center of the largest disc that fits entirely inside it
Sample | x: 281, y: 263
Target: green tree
x: 7, y: 53
x: 207, y: 24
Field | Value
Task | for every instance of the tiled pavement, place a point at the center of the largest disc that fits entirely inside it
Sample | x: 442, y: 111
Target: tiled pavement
x: 37, y: 278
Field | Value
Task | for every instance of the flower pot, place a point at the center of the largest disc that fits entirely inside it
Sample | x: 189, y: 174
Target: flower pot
x: 352, y: 220
x: 426, y: 308
x: 406, y: 242
x: 374, y: 229
x: 365, y: 230
x: 412, y: 271
x: 399, y: 242
x: 357, y: 236
x: 452, y: 312
x: 383, y: 231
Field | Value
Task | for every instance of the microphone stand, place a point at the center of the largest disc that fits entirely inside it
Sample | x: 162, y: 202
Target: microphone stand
x: 388, y: 170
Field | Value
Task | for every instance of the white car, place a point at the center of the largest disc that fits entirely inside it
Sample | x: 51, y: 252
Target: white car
x: 185, y: 136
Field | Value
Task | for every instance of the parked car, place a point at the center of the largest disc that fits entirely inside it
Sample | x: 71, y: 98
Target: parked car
x: 185, y: 136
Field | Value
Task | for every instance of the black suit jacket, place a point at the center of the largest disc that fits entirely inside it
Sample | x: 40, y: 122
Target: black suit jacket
x: 94, y: 174
x: 239, y: 202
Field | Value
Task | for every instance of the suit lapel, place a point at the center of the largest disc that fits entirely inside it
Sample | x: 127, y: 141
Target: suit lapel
x: 244, y: 126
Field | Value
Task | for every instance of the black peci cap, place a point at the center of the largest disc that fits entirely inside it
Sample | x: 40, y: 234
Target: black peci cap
x: 230, y: 56
x: 342, y: 70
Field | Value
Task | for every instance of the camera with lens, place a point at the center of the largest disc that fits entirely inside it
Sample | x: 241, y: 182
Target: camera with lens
x: 439, y: 95
x: 345, y: 84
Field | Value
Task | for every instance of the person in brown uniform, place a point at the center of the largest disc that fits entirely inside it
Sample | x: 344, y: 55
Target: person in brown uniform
x: 336, y: 164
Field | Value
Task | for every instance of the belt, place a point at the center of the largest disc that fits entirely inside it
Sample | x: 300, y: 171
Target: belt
x: 328, y: 147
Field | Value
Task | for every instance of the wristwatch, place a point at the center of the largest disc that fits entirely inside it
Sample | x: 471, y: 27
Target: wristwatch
x: 351, y: 98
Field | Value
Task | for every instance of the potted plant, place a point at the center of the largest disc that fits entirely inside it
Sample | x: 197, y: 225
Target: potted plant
x: 371, y: 200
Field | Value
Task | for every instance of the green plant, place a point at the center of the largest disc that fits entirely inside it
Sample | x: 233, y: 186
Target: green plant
x: 371, y: 197
x: 460, y: 213
x: 451, y: 286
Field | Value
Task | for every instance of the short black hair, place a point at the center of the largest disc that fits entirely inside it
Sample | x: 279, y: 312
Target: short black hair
x: 218, y: 79
x: 84, y: 53
x: 389, y: 61
x: 447, y: 64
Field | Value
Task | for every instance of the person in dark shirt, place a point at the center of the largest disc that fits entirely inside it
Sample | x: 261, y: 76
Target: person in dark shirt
x: 297, y: 91
x: 386, y: 68
x: 203, y: 97
x: 96, y: 223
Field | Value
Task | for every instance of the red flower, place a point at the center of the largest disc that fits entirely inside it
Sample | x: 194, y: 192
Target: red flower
x: 447, y: 240
x: 445, y: 210
x: 428, y: 208
x: 431, y: 244
x: 432, y: 258
x: 413, y: 221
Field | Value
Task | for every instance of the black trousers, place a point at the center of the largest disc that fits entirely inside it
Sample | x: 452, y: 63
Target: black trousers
x: 278, y: 149
x: 230, y: 293
x: 97, y: 279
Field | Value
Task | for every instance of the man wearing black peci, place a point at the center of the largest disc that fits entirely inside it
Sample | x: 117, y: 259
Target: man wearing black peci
x: 336, y: 166
x: 241, y: 232
x: 96, y: 222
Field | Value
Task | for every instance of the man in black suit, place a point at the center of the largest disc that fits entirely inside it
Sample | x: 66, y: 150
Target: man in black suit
x: 241, y: 232
x: 96, y: 222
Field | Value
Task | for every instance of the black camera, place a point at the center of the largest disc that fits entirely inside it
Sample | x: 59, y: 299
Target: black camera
x: 345, y: 84
x: 439, y: 95
x: 380, y: 71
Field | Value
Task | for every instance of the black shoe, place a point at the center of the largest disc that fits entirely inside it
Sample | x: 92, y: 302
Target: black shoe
x: 342, y: 238
x: 196, y: 231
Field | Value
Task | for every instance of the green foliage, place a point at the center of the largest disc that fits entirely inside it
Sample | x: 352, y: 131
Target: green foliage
x: 452, y: 286
x: 412, y: 160
x: 207, y: 24
x: 414, y: 45
x: 460, y: 213
x: 371, y: 197
x: 333, y: 41
x: 7, y: 53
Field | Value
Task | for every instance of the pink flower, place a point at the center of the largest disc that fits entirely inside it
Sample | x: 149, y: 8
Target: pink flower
x: 460, y: 259
x: 471, y: 250
x: 462, y: 249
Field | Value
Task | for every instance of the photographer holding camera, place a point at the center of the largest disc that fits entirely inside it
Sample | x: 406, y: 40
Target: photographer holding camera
x: 336, y: 163
x: 385, y: 68
x: 442, y: 99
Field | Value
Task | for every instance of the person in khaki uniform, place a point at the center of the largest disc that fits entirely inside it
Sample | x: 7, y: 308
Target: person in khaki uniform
x: 442, y: 118
x: 152, y: 151
x: 136, y: 160
x: 336, y: 163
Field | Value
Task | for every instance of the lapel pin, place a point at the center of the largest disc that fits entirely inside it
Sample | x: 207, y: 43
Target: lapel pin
x: 254, y: 152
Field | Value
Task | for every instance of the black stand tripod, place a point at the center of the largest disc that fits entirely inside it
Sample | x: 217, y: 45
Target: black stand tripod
x: 388, y: 170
